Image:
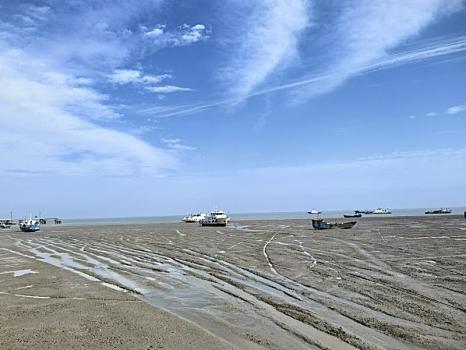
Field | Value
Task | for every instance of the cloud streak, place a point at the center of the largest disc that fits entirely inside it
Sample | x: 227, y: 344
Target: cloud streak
x: 266, y: 41
x: 366, y: 32
x: 434, y: 50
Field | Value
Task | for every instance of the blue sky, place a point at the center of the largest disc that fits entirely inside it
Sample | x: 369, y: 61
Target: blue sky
x: 124, y: 108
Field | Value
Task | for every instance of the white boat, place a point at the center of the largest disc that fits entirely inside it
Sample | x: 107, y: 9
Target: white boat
x: 31, y: 225
x: 215, y: 218
x: 315, y: 212
x: 194, y: 217
x: 381, y: 211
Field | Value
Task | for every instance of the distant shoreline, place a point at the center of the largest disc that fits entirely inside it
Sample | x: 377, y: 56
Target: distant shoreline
x: 255, y: 216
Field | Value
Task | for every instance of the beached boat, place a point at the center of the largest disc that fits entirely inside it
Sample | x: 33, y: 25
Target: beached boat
x: 439, y: 211
x: 355, y: 215
x: 215, y: 218
x: 193, y: 218
x: 31, y: 225
x: 320, y: 224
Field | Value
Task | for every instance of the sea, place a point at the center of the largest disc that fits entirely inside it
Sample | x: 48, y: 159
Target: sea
x: 246, y: 216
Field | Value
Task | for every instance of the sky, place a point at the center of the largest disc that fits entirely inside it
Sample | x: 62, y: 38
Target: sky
x: 156, y: 107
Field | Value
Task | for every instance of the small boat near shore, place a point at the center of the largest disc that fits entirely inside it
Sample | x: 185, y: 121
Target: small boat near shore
x: 439, y: 211
x: 215, y: 218
x: 320, y: 224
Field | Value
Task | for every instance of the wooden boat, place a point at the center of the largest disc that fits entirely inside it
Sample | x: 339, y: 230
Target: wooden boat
x: 356, y: 215
x: 345, y: 225
x: 320, y: 224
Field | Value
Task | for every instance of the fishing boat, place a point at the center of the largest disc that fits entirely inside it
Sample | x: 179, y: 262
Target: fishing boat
x: 215, y: 218
x: 193, y: 218
x: 439, y: 211
x: 31, y: 225
x: 355, y: 215
x: 320, y: 224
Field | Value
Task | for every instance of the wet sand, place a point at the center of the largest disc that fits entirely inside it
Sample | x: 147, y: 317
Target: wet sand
x: 389, y: 283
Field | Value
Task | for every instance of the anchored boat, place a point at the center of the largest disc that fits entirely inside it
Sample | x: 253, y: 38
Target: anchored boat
x: 215, y: 218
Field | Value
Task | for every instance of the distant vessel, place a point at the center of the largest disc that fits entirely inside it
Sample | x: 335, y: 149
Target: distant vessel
x: 381, y: 211
x: 313, y: 211
x: 439, y: 211
x: 320, y: 224
x: 192, y: 218
x: 31, y: 225
x: 215, y: 218
x: 355, y: 215
x: 364, y: 212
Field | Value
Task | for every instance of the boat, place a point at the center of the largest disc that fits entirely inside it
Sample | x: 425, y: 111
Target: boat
x: 31, y: 225
x: 355, y: 215
x: 364, y: 212
x: 320, y: 224
x: 314, y: 212
x: 215, y: 218
x: 381, y: 211
x: 439, y: 211
x: 193, y: 218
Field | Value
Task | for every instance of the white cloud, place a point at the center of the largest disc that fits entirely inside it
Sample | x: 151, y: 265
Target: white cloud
x: 167, y: 89
x: 456, y: 109
x: 177, y: 145
x: 411, y: 117
x: 128, y: 76
x: 267, y: 39
x: 184, y: 35
x: 431, y: 114
x: 45, y: 127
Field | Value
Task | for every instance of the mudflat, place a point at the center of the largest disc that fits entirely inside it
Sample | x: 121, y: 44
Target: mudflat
x: 388, y: 283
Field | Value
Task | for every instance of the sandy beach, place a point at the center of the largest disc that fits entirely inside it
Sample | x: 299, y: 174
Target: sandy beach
x: 388, y: 283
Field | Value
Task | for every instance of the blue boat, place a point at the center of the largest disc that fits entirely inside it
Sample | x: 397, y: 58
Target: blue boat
x: 30, y: 225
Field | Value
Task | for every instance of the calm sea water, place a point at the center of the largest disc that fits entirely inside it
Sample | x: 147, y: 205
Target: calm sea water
x: 245, y: 216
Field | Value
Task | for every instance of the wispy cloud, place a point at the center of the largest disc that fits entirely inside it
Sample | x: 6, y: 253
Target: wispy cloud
x: 182, y: 36
x: 132, y: 76
x: 177, y: 145
x: 266, y: 38
x: 429, y: 51
x: 456, y: 109
x: 368, y: 30
x: 167, y: 89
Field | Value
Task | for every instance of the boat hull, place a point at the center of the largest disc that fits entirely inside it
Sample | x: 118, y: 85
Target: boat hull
x: 29, y: 228
x: 214, y: 224
x: 353, y: 216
